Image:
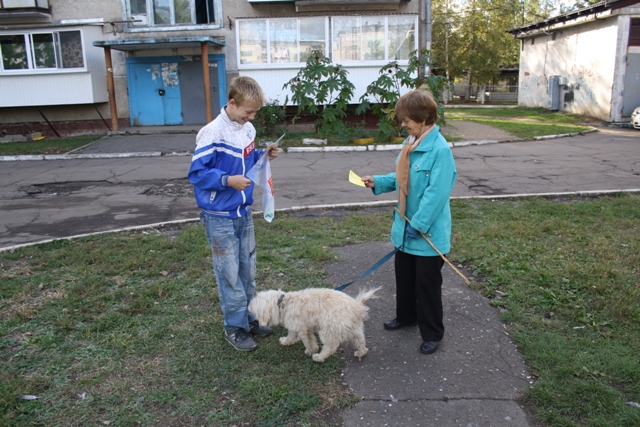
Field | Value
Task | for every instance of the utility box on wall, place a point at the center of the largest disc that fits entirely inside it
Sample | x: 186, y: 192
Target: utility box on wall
x: 554, y: 93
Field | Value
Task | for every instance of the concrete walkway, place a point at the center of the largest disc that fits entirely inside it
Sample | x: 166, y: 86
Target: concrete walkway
x: 474, y: 379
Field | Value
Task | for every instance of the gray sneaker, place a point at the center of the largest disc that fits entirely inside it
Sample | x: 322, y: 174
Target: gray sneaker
x: 240, y: 340
x: 259, y: 331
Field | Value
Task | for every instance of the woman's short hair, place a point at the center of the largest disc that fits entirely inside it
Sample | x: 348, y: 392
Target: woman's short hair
x: 418, y: 105
x: 245, y: 90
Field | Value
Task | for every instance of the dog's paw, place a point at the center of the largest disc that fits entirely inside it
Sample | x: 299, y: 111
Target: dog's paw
x: 284, y: 341
x: 361, y: 353
x: 311, y: 351
x: 317, y: 358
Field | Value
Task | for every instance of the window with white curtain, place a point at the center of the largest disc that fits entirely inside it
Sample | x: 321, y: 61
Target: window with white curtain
x: 373, y: 38
x: 281, y: 42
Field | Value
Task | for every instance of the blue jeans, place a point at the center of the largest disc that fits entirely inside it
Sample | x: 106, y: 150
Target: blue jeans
x: 233, y: 245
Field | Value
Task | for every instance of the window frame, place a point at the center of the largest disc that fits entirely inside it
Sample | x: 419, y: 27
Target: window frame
x: 31, y: 53
x: 361, y: 39
x: 329, y: 28
x: 276, y: 65
x: 150, y: 24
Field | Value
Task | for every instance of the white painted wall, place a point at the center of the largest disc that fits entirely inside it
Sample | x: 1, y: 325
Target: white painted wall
x: 584, y: 56
x: 272, y: 81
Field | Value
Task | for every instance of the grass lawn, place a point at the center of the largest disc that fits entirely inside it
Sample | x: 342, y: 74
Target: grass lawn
x: 46, y: 146
x: 529, y: 130
x: 566, y: 278
x: 124, y: 329
x: 541, y: 114
x: 525, y: 123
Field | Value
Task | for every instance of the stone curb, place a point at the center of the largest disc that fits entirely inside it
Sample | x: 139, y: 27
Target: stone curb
x: 562, y: 135
x: 79, y: 156
x: 588, y: 193
x: 380, y: 147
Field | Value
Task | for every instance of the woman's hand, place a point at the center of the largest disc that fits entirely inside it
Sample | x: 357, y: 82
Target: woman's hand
x: 368, y: 181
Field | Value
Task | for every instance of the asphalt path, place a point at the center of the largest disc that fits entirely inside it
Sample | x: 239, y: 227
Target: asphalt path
x: 42, y: 200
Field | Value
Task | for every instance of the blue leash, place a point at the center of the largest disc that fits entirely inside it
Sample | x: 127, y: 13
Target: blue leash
x: 371, y: 270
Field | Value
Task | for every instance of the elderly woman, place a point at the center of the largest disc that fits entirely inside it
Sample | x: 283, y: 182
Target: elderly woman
x: 424, y: 178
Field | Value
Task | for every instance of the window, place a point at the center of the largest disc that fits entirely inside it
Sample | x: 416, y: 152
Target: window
x: 283, y: 34
x: 280, y: 40
x: 402, y: 37
x: 253, y: 42
x: 634, y: 32
x: 173, y: 12
x: 41, y: 51
x: 363, y: 38
x: 14, y: 52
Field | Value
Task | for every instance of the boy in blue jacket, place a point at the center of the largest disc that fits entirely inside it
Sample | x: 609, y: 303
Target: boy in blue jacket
x: 225, y: 151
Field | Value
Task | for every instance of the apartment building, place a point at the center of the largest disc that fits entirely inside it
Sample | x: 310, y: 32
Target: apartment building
x: 107, y: 64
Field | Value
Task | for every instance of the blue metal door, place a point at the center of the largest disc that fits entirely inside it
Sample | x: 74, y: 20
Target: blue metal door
x: 154, y: 94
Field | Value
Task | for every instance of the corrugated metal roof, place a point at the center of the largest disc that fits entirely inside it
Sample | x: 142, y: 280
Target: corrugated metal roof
x: 593, y: 8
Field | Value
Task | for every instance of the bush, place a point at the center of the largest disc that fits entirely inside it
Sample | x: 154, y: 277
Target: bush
x: 387, y: 88
x: 270, y: 120
x: 324, y: 91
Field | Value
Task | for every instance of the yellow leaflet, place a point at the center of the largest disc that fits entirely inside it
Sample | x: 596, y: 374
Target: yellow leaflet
x: 355, y: 179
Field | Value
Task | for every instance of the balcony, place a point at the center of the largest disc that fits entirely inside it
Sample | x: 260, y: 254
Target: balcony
x: 24, y: 11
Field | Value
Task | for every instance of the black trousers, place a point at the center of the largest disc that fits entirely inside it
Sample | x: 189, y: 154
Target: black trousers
x: 419, y: 293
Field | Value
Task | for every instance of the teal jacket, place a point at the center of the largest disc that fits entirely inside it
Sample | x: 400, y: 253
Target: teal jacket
x: 432, y: 176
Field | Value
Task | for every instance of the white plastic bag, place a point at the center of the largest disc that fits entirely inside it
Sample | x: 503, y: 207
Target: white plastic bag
x: 260, y: 174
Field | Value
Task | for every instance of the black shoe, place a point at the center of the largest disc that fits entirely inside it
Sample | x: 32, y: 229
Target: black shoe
x: 429, y: 347
x: 240, y: 340
x: 259, y: 331
x: 396, y: 324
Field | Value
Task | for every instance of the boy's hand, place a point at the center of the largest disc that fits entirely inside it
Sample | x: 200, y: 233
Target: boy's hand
x: 368, y: 181
x: 238, y: 182
x: 273, y: 151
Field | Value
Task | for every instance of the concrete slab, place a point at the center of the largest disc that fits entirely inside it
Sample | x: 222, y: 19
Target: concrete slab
x: 475, y: 378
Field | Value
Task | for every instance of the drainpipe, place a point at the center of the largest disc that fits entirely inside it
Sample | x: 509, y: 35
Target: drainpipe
x: 425, y: 40
x: 427, y: 13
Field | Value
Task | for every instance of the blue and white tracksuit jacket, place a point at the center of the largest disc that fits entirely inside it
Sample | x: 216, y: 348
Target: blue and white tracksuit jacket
x: 223, y: 148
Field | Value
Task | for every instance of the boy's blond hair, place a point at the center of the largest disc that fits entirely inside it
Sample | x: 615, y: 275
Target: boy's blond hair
x: 245, y: 90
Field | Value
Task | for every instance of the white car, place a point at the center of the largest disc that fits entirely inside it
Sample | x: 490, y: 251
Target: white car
x: 635, y: 118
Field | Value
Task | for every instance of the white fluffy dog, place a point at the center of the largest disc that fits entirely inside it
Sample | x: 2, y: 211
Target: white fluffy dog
x: 333, y: 315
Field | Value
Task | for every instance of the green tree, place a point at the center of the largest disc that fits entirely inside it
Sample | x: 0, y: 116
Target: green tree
x: 447, y: 40
x: 487, y: 44
x: 383, y: 93
x: 470, y: 43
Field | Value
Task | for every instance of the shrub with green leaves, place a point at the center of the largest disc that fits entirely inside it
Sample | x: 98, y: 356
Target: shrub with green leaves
x: 270, y: 119
x: 388, y: 87
x: 322, y: 90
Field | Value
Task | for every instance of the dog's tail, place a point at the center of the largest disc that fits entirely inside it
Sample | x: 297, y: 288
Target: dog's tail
x: 365, y: 295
